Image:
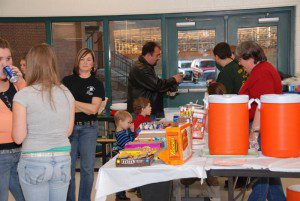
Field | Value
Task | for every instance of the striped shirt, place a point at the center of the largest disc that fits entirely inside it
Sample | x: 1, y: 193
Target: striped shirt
x: 123, y: 137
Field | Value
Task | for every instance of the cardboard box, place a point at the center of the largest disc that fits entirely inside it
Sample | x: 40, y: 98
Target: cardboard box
x: 179, y: 145
x: 198, y: 127
x: 144, y: 143
x: 151, y: 134
x: 135, y: 162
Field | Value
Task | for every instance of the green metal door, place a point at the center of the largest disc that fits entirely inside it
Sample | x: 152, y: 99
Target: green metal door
x: 269, y: 30
x: 190, y: 42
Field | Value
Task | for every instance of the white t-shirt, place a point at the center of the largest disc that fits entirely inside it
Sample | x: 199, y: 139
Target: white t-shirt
x: 46, y: 126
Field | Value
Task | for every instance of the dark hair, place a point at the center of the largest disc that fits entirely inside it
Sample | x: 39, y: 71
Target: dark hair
x: 149, y: 48
x: 139, y: 104
x: 82, y: 53
x: 250, y: 49
x: 4, y: 44
x: 216, y: 88
x: 222, y: 50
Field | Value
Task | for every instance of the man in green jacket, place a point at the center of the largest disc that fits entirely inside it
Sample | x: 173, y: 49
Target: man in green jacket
x: 231, y: 74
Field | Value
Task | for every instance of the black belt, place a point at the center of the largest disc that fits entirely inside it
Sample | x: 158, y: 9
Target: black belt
x: 85, y: 123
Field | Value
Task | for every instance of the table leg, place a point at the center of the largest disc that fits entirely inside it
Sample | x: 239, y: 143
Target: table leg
x: 230, y: 189
x: 103, y: 153
x: 106, y: 128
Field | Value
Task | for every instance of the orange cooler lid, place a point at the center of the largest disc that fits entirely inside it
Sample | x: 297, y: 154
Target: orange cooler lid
x: 280, y: 98
x: 228, y: 98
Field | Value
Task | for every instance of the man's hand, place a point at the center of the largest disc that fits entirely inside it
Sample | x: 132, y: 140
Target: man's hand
x: 178, y: 78
x: 169, y: 93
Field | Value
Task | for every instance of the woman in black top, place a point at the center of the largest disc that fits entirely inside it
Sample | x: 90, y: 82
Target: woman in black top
x: 9, y: 151
x: 88, y: 92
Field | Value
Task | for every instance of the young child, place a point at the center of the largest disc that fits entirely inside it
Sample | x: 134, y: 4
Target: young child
x: 124, y: 134
x: 141, y: 107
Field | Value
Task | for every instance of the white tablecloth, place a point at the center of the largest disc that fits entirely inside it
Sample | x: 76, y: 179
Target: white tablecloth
x: 112, y: 179
x: 260, y: 162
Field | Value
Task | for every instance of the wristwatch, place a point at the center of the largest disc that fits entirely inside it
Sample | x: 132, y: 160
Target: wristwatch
x: 253, y: 130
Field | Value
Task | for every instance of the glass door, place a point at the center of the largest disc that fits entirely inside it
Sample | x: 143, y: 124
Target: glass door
x: 69, y: 37
x: 269, y: 31
x: 190, y: 45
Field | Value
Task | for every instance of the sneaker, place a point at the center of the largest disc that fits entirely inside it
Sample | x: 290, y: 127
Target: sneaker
x: 133, y: 190
x: 138, y: 193
x: 122, y: 198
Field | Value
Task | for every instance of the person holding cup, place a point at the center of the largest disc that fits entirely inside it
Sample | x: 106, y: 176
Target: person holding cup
x: 263, y: 79
x: 143, y: 81
x: 9, y: 151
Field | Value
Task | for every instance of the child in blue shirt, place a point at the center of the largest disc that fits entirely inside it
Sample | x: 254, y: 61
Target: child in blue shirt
x: 124, y: 129
x: 124, y: 134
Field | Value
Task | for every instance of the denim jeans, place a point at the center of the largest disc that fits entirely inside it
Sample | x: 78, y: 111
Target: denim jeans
x: 45, y: 178
x: 83, y: 142
x: 266, y: 188
x: 9, y: 179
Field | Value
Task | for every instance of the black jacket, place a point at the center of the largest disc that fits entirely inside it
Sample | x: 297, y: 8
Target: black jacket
x: 143, y: 82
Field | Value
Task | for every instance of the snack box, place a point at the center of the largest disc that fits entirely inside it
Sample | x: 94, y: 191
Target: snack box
x: 143, y: 143
x: 150, y: 134
x: 179, y: 145
x: 135, y: 162
x: 183, y: 120
x: 198, y: 124
x: 134, y: 152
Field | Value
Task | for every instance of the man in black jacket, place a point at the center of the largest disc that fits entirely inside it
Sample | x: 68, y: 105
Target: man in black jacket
x: 143, y: 81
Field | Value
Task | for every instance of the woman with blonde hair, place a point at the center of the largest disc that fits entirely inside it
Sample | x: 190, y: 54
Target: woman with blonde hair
x: 43, y: 118
x: 88, y: 92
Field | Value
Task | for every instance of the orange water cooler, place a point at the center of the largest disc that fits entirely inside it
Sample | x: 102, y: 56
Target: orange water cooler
x: 293, y: 193
x: 280, y: 125
x: 228, y: 124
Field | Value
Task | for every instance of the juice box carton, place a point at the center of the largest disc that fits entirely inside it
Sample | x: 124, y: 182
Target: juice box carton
x: 179, y: 145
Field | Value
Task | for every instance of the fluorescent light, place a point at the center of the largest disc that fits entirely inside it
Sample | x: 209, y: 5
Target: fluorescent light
x: 185, y: 24
x: 268, y: 19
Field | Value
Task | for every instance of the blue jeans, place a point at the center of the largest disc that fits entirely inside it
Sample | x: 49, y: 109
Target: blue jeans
x: 9, y: 179
x: 266, y: 188
x: 45, y: 178
x: 83, y: 142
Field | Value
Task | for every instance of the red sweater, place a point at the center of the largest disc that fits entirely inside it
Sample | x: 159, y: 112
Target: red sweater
x: 263, y: 79
x: 139, y: 119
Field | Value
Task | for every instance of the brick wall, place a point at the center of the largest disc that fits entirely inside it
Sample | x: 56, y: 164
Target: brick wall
x: 22, y: 36
x: 68, y: 38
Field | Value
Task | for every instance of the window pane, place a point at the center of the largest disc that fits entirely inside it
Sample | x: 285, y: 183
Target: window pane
x: 195, y: 56
x: 22, y: 36
x: 266, y: 37
x: 69, y: 37
x: 126, y: 41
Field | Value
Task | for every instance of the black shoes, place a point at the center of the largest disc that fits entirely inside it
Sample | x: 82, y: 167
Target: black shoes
x: 122, y: 198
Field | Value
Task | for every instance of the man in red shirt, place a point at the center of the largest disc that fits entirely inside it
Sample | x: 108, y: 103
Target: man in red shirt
x: 263, y: 79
